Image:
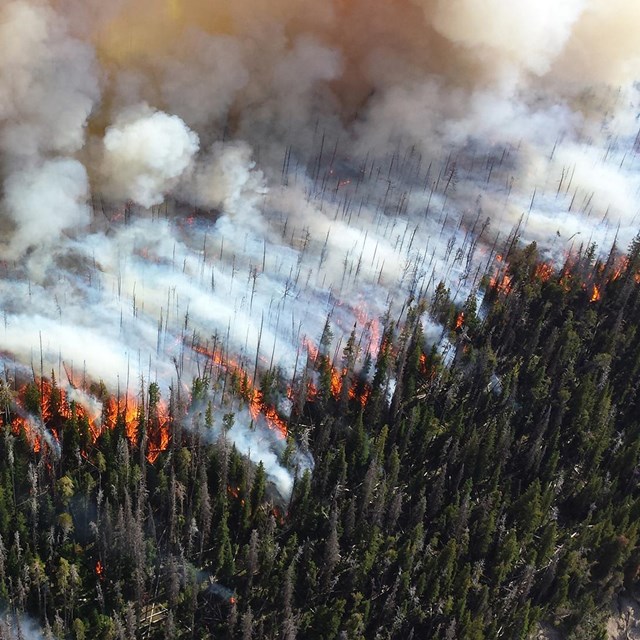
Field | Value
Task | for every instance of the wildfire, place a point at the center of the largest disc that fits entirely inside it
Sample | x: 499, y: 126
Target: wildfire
x: 311, y: 348
x: 336, y: 381
x: 55, y: 407
x: 125, y: 409
x: 56, y: 410
x: 361, y: 397
x: 621, y: 266
x: 234, y: 492
x: 500, y: 280
x: 255, y: 397
x: 312, y: 392
x: 20, y: 425
x: 278, y: 515
x: 100, y: 570
x: 595, y: 295
x: 460, y: 320
x: 565, y: 281
x: 356, y: 391
x: 258, y: 406
x: 502, y: 283
x: 371, y: 326
x: 159, y: 434
x: 543, y: 272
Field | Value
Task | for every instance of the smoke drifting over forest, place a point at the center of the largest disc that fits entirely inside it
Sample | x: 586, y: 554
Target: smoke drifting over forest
x: 185, y: 176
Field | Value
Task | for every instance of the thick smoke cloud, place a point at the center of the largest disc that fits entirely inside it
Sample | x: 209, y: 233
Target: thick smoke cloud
x: 49, y: 82
x: 228, y: 180
x: 45, y: 200
x: 524, y: 35
x: 145, y: 153
x: 186, y: 173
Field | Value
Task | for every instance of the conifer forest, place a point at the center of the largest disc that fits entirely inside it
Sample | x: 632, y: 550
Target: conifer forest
x: 474, y: 499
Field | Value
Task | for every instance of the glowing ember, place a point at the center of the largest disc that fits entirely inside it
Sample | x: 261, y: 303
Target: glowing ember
x: 460, y: 320
x: 100, y: 570
x: 565, y: 281
x: 234, y: 492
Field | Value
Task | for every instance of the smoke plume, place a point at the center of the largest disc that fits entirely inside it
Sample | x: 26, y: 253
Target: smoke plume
x: 194, y: 186
x: 145, y: 153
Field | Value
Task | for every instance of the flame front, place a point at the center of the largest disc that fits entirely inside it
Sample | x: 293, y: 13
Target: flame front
x: 254, y: 397
x: 56, y: 410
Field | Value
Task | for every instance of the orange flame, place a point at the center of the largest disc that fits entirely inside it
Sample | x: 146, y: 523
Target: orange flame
x: 338, y: 378
x: 312, y: 392
x: 501, y: 283
x: 20, y: 425
x: 159, y: 432
x: 56, y: 410
x: 543, y: 272
x: 311, y: 348
x: 460, y: 320
x: 595, y: 296
x: 361, y: 397
x: 336, y: 382
x: 621, y: 266
x: 255, y: 397
x: 125, y: 408
x: 100, y: 570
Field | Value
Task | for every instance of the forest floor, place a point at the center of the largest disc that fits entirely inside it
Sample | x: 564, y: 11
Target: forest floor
x: 624, y: 624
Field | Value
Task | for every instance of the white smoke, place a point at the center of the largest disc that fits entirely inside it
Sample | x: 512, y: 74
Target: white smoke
x: 229, y: 181
x: 49, y: 82
x: 527, y: 35
x: 45, y: 200
x: 145, y: 153
x: 14, y: 627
